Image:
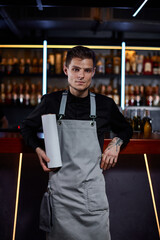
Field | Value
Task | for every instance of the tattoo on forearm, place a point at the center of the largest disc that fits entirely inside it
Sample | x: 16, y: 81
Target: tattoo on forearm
x: 115, y: 142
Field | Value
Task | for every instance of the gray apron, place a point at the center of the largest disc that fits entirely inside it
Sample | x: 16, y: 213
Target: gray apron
x: 79, y: 205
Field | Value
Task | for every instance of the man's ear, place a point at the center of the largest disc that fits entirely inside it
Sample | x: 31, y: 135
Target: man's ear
x: 65, y: 69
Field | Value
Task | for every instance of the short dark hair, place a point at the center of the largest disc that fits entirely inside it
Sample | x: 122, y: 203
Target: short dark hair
x: 80, y: 52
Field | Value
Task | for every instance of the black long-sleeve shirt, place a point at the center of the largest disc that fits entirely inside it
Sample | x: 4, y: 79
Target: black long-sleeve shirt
x: 108, y: 116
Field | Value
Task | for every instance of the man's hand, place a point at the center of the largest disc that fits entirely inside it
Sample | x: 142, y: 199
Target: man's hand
x: 43, y: 159
x: 110, y: 155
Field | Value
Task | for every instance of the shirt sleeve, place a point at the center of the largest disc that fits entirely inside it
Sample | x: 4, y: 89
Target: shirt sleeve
x: 119, y: 125
x: 31, y: 125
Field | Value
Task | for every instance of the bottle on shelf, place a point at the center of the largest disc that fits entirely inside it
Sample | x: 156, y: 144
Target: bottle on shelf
x: 28, y: 67
x: 100, y: 65
x: 40, y: 70
x: 51, y: 63
x: 35, y: 66
x: 131, y: 95
x: 147, y: 123
x: 156, y: 96
x: 15, y: 67
x: 21, y: 94
x: 137, y: 100
x: 148, y: 65
x: 2, y: 94
x: 142, y: 95
x: 117, y: 63
x: 139, y: 60
x: 155, y: 64
x: 109, y: 63
x: 33, y: 96
x: 133, y: 64
x: 58, y: 63
x: 22, y: 66
x: 116, y: 97
x: 8, y: 93
x: 3, y: 66
x: 109, y: 91
x: 27, y: 94
x: 149, y: 96
x: 15, y: 99
x: 126, y: 95
x: 127, y: 63
x: 9, y: 66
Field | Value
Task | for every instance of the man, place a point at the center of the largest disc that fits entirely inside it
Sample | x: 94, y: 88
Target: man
x: 79, y: 205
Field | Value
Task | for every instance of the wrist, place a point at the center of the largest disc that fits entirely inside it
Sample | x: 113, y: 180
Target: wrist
x: 118, y: 141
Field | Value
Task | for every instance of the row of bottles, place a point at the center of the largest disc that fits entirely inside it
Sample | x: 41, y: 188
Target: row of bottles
x: 138, y: 64
x: 105, y: 64
x: 142, y: 95
x: 108, y: 91
x: 139, y: 119
x: 22, y: 66
x: 24, y: 94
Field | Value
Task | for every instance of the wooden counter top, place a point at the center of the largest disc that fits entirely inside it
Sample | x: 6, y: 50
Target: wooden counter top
x: 12, y: 142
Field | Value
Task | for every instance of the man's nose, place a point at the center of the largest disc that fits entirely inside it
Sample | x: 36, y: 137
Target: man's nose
x: 81, y: 74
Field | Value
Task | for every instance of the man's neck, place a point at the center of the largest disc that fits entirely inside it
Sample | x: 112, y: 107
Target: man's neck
x: 77, y: 93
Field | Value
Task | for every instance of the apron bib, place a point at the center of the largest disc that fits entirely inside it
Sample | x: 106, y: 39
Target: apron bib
x: 79, y: 205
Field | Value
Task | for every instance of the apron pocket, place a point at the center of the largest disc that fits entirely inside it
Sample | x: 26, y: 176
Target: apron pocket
x: 45, y: 222
x: 97, y: 199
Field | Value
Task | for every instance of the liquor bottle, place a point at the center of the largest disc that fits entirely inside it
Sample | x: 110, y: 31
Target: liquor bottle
x: 149, y: 96
x: 27, y: 95
x: 28, y: 67
x: 127, y: 64
x: 142, y: 96
x: 21, y: 66
x: 9, y: 66
x: 35, y: 66
x: 131, y: 95
x: 9, y: 93
x: 148, y: 65
x: 40, y: 70
x: 58, y: 63
x: 147, y: 123
x: 126, y: 95
x: 109, y: 63
x: 64, y: 58
x: 15, y: 99
x: 2, y: 94
x: 103, y: 90
x: 116, y: 97
x: 133, y: 62
x: 51, y: 61
x: 109, y: 91
x: 39, y: 92
x: 21, y: 94
x: 158, y: 60
x: 155, y: 64
x: 3, y: 66
x: 15, y: 68
x: 33, y: 96
x: 137, y: 101
x: 100, y: 65
x: 140, y: 59
x: 117, y: 63
x: 156, y: 96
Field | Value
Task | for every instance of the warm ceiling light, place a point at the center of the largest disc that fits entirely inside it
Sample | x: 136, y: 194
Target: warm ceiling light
x: 136, y: 12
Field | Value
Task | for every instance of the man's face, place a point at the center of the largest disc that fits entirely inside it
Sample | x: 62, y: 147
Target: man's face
x: 80, y: 73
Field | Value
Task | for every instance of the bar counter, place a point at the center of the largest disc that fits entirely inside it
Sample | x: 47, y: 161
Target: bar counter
x: 132, y: 188
x: 12, y: 142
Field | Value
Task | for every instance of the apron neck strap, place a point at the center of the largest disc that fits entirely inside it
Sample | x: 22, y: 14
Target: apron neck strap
x: 64, y: 101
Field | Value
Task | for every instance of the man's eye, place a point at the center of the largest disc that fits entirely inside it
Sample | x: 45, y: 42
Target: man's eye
x: 88, y: 70
x: 75, y: 69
